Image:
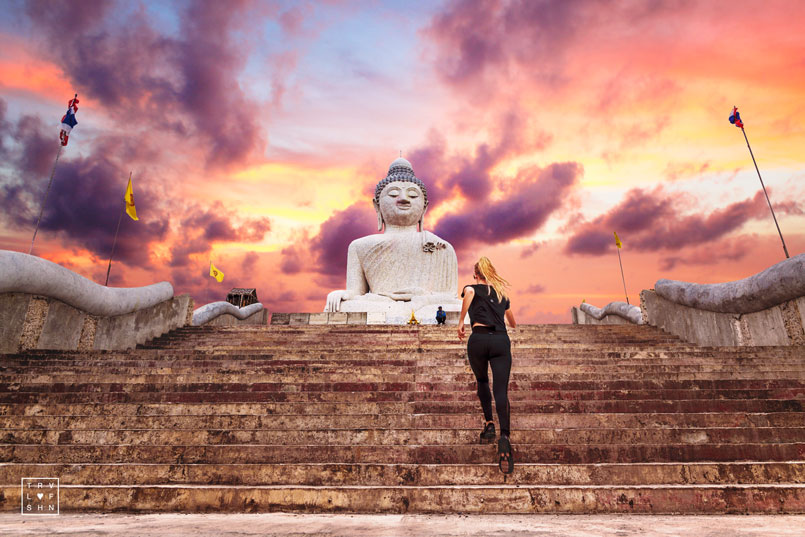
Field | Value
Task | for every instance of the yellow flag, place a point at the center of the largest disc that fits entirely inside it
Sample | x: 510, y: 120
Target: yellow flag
x: 617, y: 240
x: 129, y: 198
x: 215, y: 273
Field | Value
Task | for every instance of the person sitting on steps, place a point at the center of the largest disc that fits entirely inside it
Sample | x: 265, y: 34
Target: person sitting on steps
x: 441, y: 316
x: 489, y: 345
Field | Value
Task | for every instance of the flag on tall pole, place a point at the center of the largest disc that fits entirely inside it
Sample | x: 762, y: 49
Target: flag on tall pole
x: 619, y: 244
x: 68, y: 121
x: 735, y: 119
x: 215, y: 273
x: 128, y: 208
x: 131, y: 210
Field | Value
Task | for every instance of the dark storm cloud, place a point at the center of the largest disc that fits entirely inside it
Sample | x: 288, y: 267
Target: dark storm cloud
x: 535, y: 195
x: 483, y: 40
x: 470, y: 174
x: 200, y: 227
x: 217, y: 224
x: 329, y: 247
x: 651, y: 221
x: 86, y: 198
x: 475, y: 37
x: 729, y: 249
x: 187, y: 84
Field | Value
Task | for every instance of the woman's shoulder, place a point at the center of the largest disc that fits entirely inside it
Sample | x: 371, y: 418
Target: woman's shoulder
x: 468, y: 288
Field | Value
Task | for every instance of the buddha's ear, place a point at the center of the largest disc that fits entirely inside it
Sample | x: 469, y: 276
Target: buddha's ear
x: 421, y: 223
x: 379, y: 217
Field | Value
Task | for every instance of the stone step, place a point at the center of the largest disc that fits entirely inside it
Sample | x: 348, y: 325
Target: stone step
x: 392, y: 454
x: 390, y: 360
x: 425, y: 372
x: 429, y: 404
x: 575, y: 350
x: 540, y: 385
x: 617, y: 406
x: 402, y: 437
x: 226, y: 406
x: 351, y: 346
x: 462, y: 373
x: 384, y: 350
x: 457, y: 365
x: 332, y: 474
x: 363, y: 391
x: 654, y: 499
x: 259, y: 420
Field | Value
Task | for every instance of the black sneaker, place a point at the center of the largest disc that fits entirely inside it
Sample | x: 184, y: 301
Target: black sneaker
x: 488, y: 434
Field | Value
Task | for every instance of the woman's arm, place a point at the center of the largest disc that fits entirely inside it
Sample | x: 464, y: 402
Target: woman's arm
x: 469, y: 293
x: 510, y: 318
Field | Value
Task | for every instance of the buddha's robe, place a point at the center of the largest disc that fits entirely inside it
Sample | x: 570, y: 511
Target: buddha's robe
x: 397, y: 266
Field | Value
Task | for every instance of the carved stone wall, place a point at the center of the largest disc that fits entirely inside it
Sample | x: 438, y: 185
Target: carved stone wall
x: 36, y: 322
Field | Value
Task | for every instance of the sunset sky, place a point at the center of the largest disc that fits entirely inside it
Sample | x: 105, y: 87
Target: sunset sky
x: 256, y: 132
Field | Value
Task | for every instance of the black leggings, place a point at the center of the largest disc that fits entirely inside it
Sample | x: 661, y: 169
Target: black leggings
x: 486, y: 346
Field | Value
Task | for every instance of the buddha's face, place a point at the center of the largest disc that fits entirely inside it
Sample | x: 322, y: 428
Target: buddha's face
x: 402, y: 204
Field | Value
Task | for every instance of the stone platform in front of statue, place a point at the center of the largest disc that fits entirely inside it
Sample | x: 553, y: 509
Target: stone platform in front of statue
x: 426, y: 315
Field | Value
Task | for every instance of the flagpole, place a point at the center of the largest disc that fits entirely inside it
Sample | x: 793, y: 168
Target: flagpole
x: 109, y: 268
x: 766, y: 193
x: 622, y: 278
x: 47, y: 192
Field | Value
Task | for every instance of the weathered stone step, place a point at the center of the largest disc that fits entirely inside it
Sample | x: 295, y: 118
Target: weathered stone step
x: 630, y: 407
x: 457, y: 370
x: 407, y: 474
x: 333, y: 474
x: 399, y: 360
x: 402, y: 437
x: 462, y: 373
x: 329, y: 346
x: 614, y: 352
x: 528, y: 349
x: 424, y: 406
x: 400, y: 391
x: 453, y: 371
x: 424, y: 454
x: 259, y: 420
x: 228, y: 406
x: 181, y: 408
x: 655, y: 499
x: 23, y: 382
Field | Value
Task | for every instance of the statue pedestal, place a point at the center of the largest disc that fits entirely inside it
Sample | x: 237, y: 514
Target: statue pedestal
x: 399, y: 312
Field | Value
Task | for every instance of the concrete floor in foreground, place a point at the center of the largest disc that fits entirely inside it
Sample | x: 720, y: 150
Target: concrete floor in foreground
x: 272, y: 524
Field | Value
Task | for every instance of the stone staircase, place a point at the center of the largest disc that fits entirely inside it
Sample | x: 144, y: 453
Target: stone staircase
x: 385, y: 419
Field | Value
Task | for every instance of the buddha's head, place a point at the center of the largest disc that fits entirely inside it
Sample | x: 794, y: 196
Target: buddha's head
x: 401, y: 199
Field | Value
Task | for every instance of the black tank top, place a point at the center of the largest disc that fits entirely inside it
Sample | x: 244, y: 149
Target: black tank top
x: 485, y: 307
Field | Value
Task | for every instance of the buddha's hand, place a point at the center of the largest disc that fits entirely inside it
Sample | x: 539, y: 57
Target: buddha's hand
x: 334, y: 299
x: 406, y: 294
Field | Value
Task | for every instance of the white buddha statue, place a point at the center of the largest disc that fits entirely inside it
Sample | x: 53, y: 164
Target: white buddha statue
x: 404, y: 268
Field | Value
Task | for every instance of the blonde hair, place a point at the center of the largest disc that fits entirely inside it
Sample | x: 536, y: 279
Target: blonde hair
x: 484, y: 269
